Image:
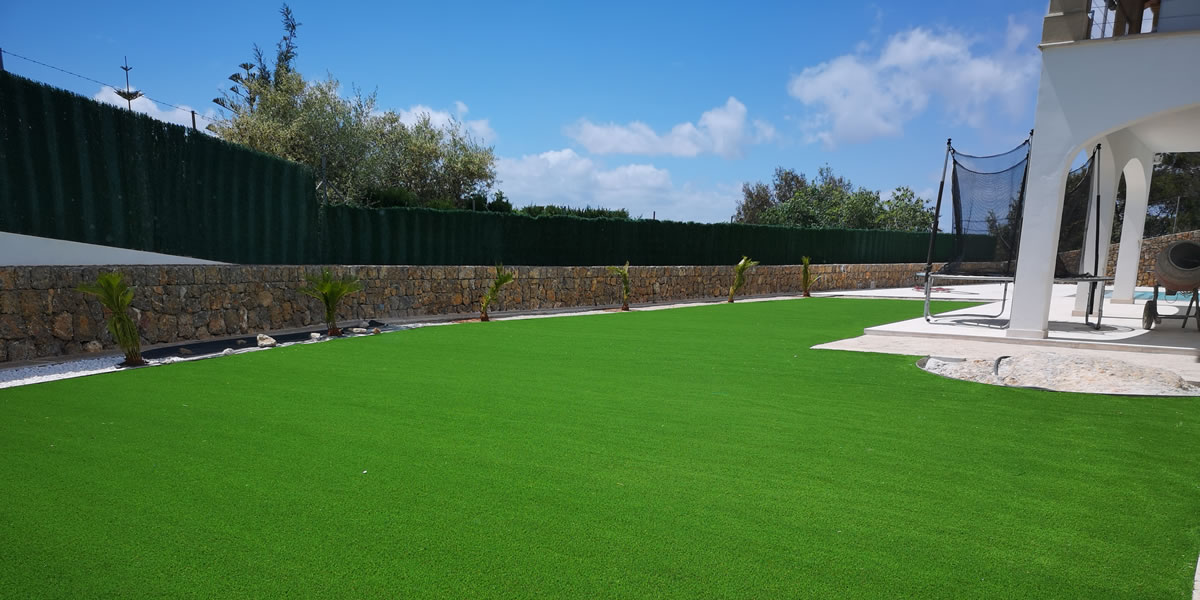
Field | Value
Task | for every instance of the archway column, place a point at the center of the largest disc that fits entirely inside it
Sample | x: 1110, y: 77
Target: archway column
x: 1049, y: 163
x: 1138, y: 167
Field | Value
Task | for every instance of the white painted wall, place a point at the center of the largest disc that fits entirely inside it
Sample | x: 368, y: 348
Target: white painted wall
x: 26, y: 250
x: 1088, y: 90
x: 1179, y: 15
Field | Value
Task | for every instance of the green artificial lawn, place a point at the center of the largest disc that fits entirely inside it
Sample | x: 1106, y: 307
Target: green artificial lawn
x: 693, y: 453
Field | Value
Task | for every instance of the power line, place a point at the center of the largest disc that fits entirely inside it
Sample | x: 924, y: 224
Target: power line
x: 109, y: 85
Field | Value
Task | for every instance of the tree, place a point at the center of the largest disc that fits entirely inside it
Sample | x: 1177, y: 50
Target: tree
x: 438, y: 165
x: 830, y: 201
x: 904, y: 211
x: 360, y: 153
x: 757, y: 198
x: 500, y: 203
x: 1174, y: 202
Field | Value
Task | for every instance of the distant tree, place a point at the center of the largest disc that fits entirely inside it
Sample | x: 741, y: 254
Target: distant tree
x: 787, y: 183
x: 587, y: 212
x: 362, y: 154
x: 1174, y: 202
x: 439, y: 165
x: 500, y: 203
x: 830, y: 201
x: 757, y: 197
x: 756, y: 200
x: 904, y: 211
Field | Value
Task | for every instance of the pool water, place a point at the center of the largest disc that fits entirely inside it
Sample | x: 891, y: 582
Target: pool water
x: 1162, y: 295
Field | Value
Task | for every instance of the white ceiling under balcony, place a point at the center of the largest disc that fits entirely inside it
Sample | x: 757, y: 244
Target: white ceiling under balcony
x: 1176, y: 131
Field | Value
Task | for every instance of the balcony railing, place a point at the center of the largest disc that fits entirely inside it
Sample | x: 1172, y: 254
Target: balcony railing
x: 1111, y: 18
x: 1104, y: 17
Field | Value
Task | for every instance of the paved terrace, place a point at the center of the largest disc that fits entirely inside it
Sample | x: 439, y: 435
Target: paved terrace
x: 974, y: 333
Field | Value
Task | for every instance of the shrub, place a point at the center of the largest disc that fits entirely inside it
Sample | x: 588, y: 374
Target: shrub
x: 623, y: 273
x: 330, y: 292
x: 500, y: 204
x: 586, y: 212
x: 739, y: 275
x: 391, y: 198
x: 115, y: 296
x: 806, y: 278
x: 502, y: 278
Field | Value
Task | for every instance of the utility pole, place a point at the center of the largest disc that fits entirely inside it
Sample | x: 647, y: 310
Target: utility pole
x: 129, y: 95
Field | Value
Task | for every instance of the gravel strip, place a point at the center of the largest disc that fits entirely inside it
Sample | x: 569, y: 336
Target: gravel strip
x: 1066, y: 374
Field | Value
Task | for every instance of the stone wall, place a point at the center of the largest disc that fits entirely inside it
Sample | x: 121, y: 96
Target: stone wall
x: 1150, y: 249
x: 42, y: 315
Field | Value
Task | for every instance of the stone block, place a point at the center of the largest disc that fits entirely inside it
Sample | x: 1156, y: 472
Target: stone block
x: 12, y: 327
x: 63, y: 326
x: 21, y: 350
x: 8, y: 303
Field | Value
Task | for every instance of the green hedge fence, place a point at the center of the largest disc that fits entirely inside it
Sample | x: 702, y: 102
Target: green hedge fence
x: 75, y: 169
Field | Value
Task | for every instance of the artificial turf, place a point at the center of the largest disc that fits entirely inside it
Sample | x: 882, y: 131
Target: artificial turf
x: 698, y: 452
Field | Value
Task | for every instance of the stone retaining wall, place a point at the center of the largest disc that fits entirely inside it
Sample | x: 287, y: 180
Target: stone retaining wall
x: 1150, y: 249
x: 42, y: 315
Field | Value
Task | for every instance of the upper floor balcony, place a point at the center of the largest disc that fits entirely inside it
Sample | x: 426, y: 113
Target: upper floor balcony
x: 1077, y: 20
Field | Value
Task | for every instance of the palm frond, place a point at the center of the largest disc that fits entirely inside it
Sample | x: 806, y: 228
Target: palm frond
x: 502, y: 278
x: 623, y: 273
x: 806, y: 278
x: 330, y: 291
x: 114, y: 295
x: 739, y: 275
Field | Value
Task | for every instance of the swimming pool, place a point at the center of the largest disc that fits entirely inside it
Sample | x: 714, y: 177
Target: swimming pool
x: 1162, y: 295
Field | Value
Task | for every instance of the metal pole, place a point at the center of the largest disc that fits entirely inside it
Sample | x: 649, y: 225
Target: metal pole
x: 937, y: 212
x: 1096, y: 178
x: 193, y: 120
x: 1, y: 59
x: 1014, y: 252
x: 127, y: 68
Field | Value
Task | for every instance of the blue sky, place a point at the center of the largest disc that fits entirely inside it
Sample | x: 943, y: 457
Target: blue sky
x: 661, y: 108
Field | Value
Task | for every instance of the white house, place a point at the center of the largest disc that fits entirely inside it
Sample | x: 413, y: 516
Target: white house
x: 1124, y: 74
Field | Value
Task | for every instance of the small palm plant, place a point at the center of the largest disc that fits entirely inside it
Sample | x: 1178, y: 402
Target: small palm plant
x: 806, y: 278
x: 115, y: 296
x: 330, y: 291
x: 739, y: 275
x: 502, y: 278
x: 623, y: 273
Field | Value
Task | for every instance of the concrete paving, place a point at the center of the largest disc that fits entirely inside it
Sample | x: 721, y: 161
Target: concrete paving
x: 979, y: 332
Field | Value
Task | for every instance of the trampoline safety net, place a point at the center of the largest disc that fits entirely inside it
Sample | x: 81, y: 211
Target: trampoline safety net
x: 987, y: 195
x: 1077, y: 208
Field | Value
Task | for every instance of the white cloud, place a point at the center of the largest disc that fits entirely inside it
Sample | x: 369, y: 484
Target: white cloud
x: 178, y: 116
x: 564, y: 177
x: 857, y: 97
x: 722, y: 130
x: 480, y: 129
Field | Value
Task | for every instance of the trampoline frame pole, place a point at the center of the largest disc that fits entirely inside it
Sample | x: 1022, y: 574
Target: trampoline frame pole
x: 937, y: 214
x: 1096, y: 178
x: 1015, y: 252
